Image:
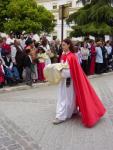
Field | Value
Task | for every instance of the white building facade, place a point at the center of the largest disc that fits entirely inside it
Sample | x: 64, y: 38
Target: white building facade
x: 53, y: 6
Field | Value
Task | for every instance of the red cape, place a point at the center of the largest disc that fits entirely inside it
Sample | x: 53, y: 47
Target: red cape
x: 90, y: 106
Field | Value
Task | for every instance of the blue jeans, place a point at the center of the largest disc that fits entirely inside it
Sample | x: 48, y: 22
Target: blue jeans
x: 13, y: 74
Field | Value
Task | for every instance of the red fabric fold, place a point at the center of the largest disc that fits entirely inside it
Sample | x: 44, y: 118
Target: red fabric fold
x: 90, y: 105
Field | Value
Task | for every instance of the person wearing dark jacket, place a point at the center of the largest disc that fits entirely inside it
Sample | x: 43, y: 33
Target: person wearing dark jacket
x: 27, y: 68
x: 11, y: 71
x: 19, y: 60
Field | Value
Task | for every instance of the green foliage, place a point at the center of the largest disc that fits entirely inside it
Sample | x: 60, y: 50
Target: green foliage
x: 3, y: 14
x: 26, y: 15
x: 91, y: 29
x: 84, y: 2
x: 95, y: 19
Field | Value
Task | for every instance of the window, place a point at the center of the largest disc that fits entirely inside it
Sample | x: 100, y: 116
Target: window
x: 112, y: 3
x: 68, y: 33
x: 55, y: 20
x: 84, y: 2
x: 54, y: 6
x: 70, y: 3
x: 54, y: 37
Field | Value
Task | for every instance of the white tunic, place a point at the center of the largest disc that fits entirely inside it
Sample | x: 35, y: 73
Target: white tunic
x: 66, y: 98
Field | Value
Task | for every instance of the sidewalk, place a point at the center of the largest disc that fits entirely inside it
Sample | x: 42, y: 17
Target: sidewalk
x: 100, y: 75
x: 37, y: 85
x: 23, y: 87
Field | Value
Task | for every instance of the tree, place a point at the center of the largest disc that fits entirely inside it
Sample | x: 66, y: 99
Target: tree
x: 3, y: 14
x: 84, y: 2
x: 95, y: 18
x: 26, y: 15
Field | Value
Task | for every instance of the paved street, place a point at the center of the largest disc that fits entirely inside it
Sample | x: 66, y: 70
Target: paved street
x: 26, y: 121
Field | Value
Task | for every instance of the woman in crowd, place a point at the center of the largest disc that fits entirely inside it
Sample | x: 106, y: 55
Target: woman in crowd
x: 85, y: 54
x: 92, y: 58
x: 30, y: 44
x: 11, y: 71
x: 46, y: 47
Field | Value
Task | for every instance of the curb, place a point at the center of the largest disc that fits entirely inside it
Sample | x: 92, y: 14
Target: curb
x: 23, y: 87
x: 38, y: 85
x: 100, y: 75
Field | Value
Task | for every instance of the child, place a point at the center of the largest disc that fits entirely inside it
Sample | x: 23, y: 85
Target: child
x: 2, y: 74
x: 42, y: 56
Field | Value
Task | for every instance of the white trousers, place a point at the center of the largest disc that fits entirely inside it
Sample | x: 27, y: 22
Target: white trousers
x: 66, y: 98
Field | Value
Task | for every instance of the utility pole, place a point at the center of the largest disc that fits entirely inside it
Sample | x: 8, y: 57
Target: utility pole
x: 62, y: 24
x: 63, y: 14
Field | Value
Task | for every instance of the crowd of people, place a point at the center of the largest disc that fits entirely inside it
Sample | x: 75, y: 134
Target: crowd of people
x: 95, y: 57
x: 23, y: 59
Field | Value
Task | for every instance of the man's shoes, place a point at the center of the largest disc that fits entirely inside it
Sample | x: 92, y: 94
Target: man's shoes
x: 57, y: 121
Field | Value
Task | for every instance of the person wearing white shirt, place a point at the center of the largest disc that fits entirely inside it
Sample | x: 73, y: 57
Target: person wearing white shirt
x: 108, y: 48
x: 99, y: 58
x: 46, y: 47
x: 22, y: 41
x: 109, y: 52
x: 13, y: 53
x: 85, y: 55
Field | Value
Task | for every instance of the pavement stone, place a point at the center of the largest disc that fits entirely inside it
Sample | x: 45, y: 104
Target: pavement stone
x: 26, y: 120
x: 14, y: 138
